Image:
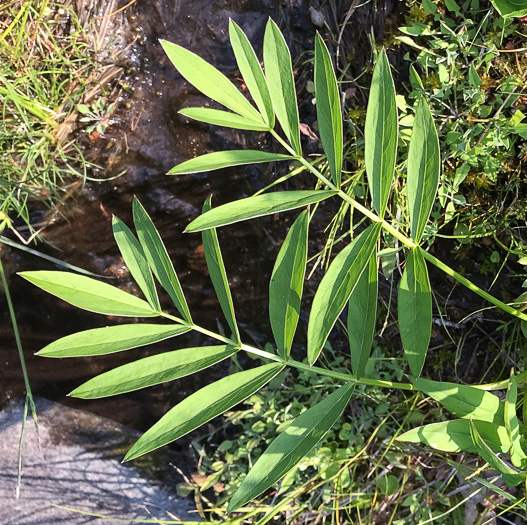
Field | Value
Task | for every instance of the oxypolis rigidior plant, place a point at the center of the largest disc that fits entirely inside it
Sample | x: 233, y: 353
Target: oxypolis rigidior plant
x: 486, y: 424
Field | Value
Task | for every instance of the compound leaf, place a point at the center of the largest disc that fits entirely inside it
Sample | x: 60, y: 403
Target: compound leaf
x: 89, y: 294
x: 292, y: 445
x: 110, y: 339
x: 218, y: 117
x: 202, y: 406
x: 265, y: 204
x: 152, y: 370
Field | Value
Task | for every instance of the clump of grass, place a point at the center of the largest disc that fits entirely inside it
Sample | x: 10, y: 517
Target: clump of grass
x: 48, y: 66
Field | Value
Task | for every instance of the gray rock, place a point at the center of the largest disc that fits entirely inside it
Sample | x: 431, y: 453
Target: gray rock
x: 75, y: 461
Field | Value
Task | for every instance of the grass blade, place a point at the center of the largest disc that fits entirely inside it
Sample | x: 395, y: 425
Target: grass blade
x: 102, y: 341
x: 226, y: 119
x: 135, y: 260
x: 279, y: 74
x: 328, y: 109
x: 291, y: 446
x: 89, y: 294
x: 158, y: 259
x: 251, y: 72
x: 209, y: 80
x: 202, y: 406
x: 424, y: 165
x: 380, y: 134
x: 336, y: 288
x: 362, y: 314
x: 265, y: 204
x: 287, y: 281
x: 415, y: 310
x: 224, y: 159
x: 152, y: 370
x: 218, y: 275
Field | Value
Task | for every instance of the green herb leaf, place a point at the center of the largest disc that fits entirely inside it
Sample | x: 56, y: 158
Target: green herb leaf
x: 512, y: 423
x: 287, y: 280
x: 455, y: 436
x: 380, y: 134
x: 89, y: 294
x: 415, y: 310
x: 209, y: 80
x: 424, y: 165
x: 251, y: 72
x: 336, y: 287
x: 158, y: 259
x: 510, y: 8
x: 291, y: 446
x: 464, y: 401
x: 202, y: 406
x: 218, y: 275
x: 265, y: 204
x: 362, y: 314
x: 279, y: 74
x: 224, y: 159
x: 135, y: 260
x: 218, y: 117
x: 328, y: 109
x: 152, y: 370
x: 101, y: 341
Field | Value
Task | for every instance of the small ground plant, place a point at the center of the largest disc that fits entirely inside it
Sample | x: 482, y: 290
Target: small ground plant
x: 482, y: 423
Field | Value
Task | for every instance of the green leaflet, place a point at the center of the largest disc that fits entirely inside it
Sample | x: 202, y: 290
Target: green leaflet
x: 251, y: 72
x: 218, y: 275
x: 328, y: 109
x: 209, y: 80
x: 464, y: 401
x: 336, y: 287
x: 512, y: 424
x: 362, y: 314
x: 287, y: 280
x: 226, y: 119
x: 291, y: 446
x: 134, y: 258
x: 415, y: 310
x: 158, y: 259
x: 510, y: 8
x: 380, y: 134
x: 279, y: 74
x: 424, y: 165
x: 455, y: 436
x: 100, y: 341
x: 89, y: 294
x: 152, y: 370
x: 224, y: 159
x: 203, y: 405
x: 265, y: 204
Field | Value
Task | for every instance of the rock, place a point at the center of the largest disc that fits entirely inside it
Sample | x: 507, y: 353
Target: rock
x: 76, y: 462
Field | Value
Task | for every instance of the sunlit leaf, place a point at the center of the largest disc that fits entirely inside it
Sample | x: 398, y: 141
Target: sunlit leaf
x: 203, y: 405
x: 152, y: 370
x: 362, y: 314
x: 111, y: 339
x: 265, y: 204
x: 424, y: 164
x: 218, y: 117
x: 89, y: 294
x: 209, y: 80
x: 510, y: 8
x: 328, y: 109
x: 287, y: 280
x: 291, y: 446
x: 251, y: 72
x: 218, y: 275
x: 135, y: 260
x: 380, y: 134
x: 336, y: 287
x: 158, y: 259
x: 415, y: 310
x: 224, y: 159
x: 455, y: 436
x: 279, y: 74
x: 512, y: 423
x: 464, y: 401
